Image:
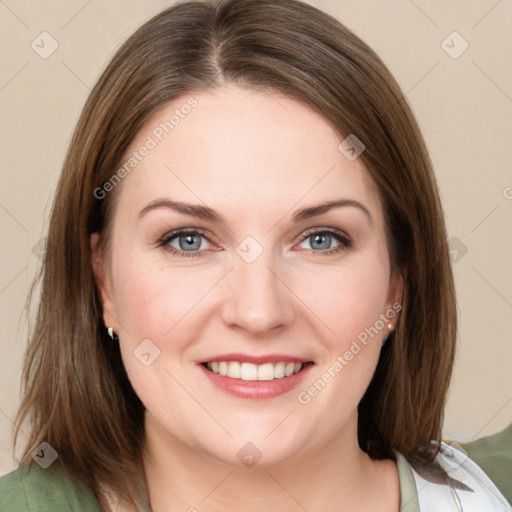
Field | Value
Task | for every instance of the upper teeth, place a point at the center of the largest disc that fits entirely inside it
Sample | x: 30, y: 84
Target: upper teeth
x: 249, y: 371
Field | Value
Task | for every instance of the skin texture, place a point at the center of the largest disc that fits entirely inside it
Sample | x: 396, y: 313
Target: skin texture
x: 255, y: 158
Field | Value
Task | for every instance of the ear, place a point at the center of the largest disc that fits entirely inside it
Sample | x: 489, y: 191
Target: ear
x: 103, y: 283
x: 396, y: 289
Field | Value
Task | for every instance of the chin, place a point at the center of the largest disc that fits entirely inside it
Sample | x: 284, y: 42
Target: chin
x: 253, y: 454
x: 259, y: 445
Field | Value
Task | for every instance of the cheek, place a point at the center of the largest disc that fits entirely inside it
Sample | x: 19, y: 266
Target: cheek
x: 156, y: 304
x: 351, y: 305
x: 151, y: 300
x: 348, y: 300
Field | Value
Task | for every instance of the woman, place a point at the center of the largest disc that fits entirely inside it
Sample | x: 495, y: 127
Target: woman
x: 247, y: 300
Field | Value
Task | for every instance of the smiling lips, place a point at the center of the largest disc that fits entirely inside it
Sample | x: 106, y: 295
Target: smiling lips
x: 250, y: 371
x: 256, y: 377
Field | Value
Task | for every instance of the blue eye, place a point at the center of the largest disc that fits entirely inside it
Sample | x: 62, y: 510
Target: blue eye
x: 320, y: 241
x: 190, y: 242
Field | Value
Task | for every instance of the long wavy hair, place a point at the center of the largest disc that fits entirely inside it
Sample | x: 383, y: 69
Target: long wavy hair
x: 76, y: 394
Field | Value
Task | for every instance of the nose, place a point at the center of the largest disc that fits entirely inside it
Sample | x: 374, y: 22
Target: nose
x: 258, y: 300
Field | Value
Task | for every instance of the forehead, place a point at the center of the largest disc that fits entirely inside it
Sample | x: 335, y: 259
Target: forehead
x: 249, y: 148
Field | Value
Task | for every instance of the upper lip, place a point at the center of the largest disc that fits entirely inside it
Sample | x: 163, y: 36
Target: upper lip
x: 262, y: 359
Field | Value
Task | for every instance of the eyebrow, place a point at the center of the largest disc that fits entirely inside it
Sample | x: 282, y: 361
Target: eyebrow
x: 194, y: 210
x: 206, y: 213
x: 313, y: 211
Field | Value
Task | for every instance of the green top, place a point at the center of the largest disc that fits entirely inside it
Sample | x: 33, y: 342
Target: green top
x: 494, y: 455
x: 34, y: 489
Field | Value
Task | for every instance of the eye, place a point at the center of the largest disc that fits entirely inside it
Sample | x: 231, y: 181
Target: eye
x: 185, y: 242
x: 192, y: 242
x: 321, y: 241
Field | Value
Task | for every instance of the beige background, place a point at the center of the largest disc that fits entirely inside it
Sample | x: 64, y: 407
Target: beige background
x: 464, y: 106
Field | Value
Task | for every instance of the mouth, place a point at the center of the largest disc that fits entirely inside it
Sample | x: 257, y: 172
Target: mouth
x: 255, y: 377
x: 256, y: 372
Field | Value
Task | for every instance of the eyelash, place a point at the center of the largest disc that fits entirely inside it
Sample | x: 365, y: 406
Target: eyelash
x: 345, y: 242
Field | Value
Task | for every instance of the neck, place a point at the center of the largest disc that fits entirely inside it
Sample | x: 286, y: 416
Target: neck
x: 338, y: 476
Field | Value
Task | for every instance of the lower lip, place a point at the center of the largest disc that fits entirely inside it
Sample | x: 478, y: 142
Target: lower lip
x: 256, y: 389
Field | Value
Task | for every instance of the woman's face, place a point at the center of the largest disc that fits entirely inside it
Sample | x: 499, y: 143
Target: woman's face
x: 264, y: 280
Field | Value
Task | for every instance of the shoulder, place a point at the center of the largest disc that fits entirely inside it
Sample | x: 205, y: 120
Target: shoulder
x: 455, y: 481
x: 31, y: 488
x: 494, y: 455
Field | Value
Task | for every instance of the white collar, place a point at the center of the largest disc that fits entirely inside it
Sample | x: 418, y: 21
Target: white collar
x: 466, y: 488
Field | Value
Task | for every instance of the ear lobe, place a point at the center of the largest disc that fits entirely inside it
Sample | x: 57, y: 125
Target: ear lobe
x: 102, y: 281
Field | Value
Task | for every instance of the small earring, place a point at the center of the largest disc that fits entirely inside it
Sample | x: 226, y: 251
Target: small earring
x: 112, y: 334
x: 390, y: 327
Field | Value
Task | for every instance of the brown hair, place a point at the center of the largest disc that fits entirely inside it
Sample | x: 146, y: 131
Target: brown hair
x: 76, y: 392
